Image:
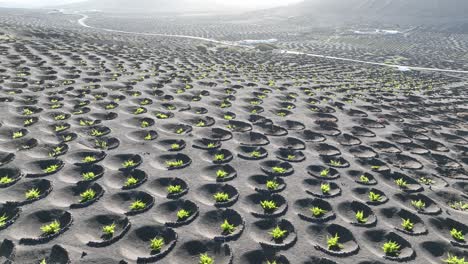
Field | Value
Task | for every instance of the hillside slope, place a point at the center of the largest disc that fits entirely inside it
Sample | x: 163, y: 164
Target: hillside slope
x: 404, y: 11
x: 154, y: 6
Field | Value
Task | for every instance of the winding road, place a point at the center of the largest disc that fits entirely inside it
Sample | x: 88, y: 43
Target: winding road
x: 82, y: 22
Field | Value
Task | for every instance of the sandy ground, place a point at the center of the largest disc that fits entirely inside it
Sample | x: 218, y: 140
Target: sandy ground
x: 95, y: 121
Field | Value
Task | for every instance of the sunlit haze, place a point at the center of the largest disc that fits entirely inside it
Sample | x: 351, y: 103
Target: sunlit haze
x: 237, y: 3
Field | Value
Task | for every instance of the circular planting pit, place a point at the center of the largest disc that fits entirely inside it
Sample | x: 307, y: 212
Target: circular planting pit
x: 450, y: 230
x: 321, y: 189
x: 266, y: 205
x: 420, y: 203
x: 42, y: 226
x: 323, y: 173
x: 27, y: 192
x: 290, y: 155
x: 42, y: 168
x: 362, y: 178
x: 314, y: 210
x: 8, y: 215
x: 171, y: 188
x: 219, y: 195
x: 56, y: 254
x: 222, y: 173
x: 276, y: 234
x: 221, y: 225
x: 103, y: 230
x: 82, y: 174
x: 357, y: 213
x: 176, y: 213
x: 173, y: 161
x: 277, y: 168
x: 86, y: 158
x: 333, y: 239
x: 194, y: 250
x: 404, y: 221
x: 148, y: 243
x: 124, y: 162
x: 206, y: 144
x: 267, y: 184
x: 218, y: 156
x: 252, y: 153
x: 130, y: 202
x: 9, y: 176
x: 171, y: 145
x: 370, y: 196
x: 376, y: 239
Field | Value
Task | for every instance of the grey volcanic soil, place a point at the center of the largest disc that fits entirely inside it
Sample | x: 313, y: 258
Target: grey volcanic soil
x: 78, y: 101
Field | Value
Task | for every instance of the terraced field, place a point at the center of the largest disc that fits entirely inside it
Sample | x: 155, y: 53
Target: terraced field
x: 121, y: 148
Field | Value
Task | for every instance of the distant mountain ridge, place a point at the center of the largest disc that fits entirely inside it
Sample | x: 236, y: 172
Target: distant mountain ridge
x: 433, y: 8
x: 408, y: 10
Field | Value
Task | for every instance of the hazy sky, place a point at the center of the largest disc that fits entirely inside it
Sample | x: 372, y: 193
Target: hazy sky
x: 241, y: 3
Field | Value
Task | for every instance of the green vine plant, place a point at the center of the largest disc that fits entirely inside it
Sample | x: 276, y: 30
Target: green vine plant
x: 52, y: 228
x: 277, y: 233
x: 3, y: 220
x: 131, y: 181
x: 255, y: 154
x: 148, y: 137
x: 325, y: 187
x: 108, y: 230
x: 205, y: 259
x: 419, y: 205
x: 96, y: 133
x: 221, y: 173
x: 17, y: 134
x: 156, y: 244
x: 364, y: 179
x: 391, y: 248
x: 333, y: 243
x: 87, y: 195
x: 182, y: 214
x: 272, y: 185
x: 317, y: 211
x: 401, y: 183
x: 221, y: 197
x: 174, y: 189
x: 426, y: 181
x: 269, y: 205
x: 174, y: 164
x: 88, y: 175
x: 175, y: 146
x: 137, y: 205
x: 336, y: 163
x: 32, y: 193
x: 407, y: 224
x: 458, y: 205
x: 457, y: 234
x: 128, y: 163
x: 51, y: 168
x: 324, y: 173
x: 144, y: 124
x: 5, y: 180
x: 452, y: 259
x: 56, y: 151
x: 279, y: 170
x: 227, y: 227
x: 360, y: 217
x: 374, y: 197
x: 219, y: 157
x: 89, y: 159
